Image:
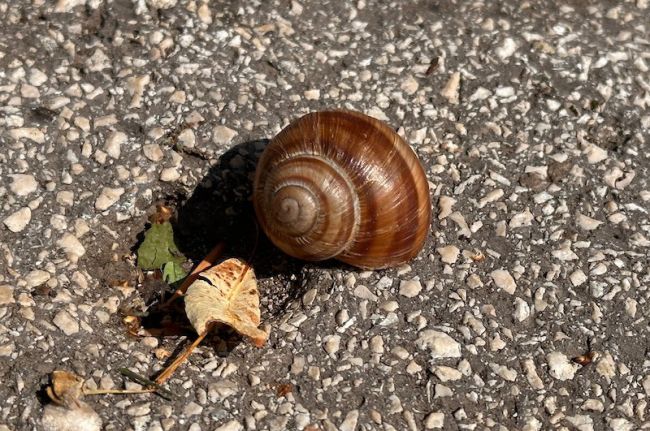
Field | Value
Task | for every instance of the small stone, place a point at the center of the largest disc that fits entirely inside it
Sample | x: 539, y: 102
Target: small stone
x: 162, y: 4
x: 410, y: 288
x: 531, y: 374
x: 577, y: 277
x: 646, y: 385
x: 448, y: 254
x: 524, y: 218
x: 31, y: 133
x: 440, y: 344
x: 6, y: 295
x: 376, y: 344
x: 65, y: 198
x: 108, y: 197
x: 22, y: 184
x: 170, y: 175
x: 451, y: 89
x: 522, y: 310
x: 434, y: 420
x: 59, y: 418
x: 312, y: 94
x: 350, y: 421
x: 445, y: 203
x: 37, y: 77
x: 442, y: 391
x: 409, y: 85
x: 507, y: 48
x: 587, y: 223
x: 152, y: 152
x: 446, y: 374
x: 186, y: 138
x: 564, y: 253
x: 64, y: 321
x: 581, y: 422
x: 19, y: 220
x: 114, y: 143
x: 71, y: 246
x: 504, y: 281
x: 595, y: 154
x: 361, y: 291
x: 606, y: 366
x: 504, y: 372
x: 332, y: 344
x: 593, y: 405
x: 192, y: 409
x: 36, y: 278
x: 560, y: 367
x: 204, y: 13
x: 620, y: 424
x: 222, y: 135
x: 232, y: 425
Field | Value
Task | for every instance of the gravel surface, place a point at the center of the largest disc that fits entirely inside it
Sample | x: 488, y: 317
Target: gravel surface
x: 532, y: 120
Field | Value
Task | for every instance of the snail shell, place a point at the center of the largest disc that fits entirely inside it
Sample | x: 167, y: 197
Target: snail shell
x: 340, y: 184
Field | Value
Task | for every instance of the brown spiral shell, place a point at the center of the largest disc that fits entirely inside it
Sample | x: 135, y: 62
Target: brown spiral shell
x: 340, y: 184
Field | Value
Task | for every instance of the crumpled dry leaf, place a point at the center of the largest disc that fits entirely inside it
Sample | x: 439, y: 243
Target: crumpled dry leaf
x: 69, y: 412
x: 66, y: 388
x: 226, y: 293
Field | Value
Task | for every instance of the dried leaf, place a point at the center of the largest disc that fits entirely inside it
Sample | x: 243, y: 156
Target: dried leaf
x: 585, y: 359
x: 161, y: 353
x: 226, y: 293
x: 284, y: 389
x: 161, y: 215
x: 173, y: 272
x: 133, y: 324
x: 158, y: 247
x: 65, y: 389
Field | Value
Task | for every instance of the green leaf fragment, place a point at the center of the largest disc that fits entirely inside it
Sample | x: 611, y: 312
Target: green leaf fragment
x: 173, y: 272
x: 158, y: 248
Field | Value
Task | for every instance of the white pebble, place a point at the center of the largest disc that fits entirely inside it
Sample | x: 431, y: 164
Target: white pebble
x: 332, y: 344
x: 434, y: 420
x: 108, y: 197
x: 524, y: 218
x: 440, y: 344
x: 560, y: 367
x: 522, y: 310
x: 587, y: 223
x: 170, y: 174
x: 409, y: 85
x: 65, y: 322
x: 222, y: 135
x: 71, y: 246
x: 31, y: 133
x: 410, y: 288
x: 19, y: 220
x: 448, y: 254
x: 114, y: 143
x: 451, y: 89
x: 507, y: 48
x: 22, y: 185
x: 577, y: 277
x: 504, y: 281
x: 445, y: 203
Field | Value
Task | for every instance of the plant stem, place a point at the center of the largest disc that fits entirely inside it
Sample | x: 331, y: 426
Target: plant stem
x: 206, y: 263
x: 167, y: 372
x: 118, y: 391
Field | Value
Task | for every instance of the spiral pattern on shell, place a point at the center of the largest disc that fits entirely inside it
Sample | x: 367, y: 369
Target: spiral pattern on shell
x: 340, y: 184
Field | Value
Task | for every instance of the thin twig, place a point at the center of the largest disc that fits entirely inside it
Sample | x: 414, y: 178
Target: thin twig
x: 149, y: 384
x: 206, y: 263
x: 118, y: 391
x: 167, y: 372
